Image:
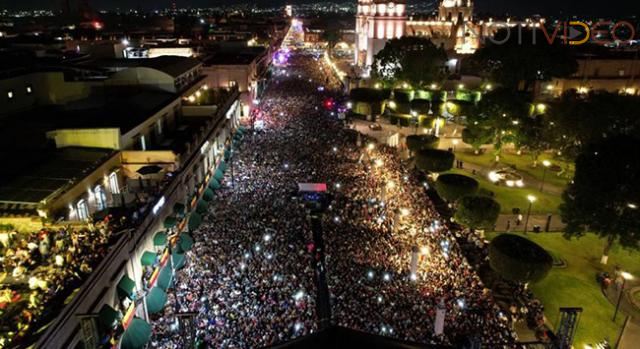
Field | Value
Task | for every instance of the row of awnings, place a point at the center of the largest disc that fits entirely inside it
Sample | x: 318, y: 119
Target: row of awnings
x: 138, y: 332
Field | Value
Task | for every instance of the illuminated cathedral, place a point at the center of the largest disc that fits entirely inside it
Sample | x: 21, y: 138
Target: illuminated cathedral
x: 454, y: 28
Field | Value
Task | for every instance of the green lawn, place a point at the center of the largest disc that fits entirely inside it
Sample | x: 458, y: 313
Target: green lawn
x: 522, y: 163
x: 575, y: 285
x: 517, y: 197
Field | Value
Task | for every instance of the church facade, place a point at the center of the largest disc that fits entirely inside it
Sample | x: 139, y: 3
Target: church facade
x: 453, y: 28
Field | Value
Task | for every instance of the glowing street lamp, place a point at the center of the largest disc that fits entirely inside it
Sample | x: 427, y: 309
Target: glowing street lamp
x: 625, y: 276
x: 371, y: 146
x: 531, y: 200
x: 546, y: 164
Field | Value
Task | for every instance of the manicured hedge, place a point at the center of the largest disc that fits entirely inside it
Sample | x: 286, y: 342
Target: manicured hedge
x: 434, y: 160
x: 519, y: 259
x: 477, y: 211
x: 452, y: 186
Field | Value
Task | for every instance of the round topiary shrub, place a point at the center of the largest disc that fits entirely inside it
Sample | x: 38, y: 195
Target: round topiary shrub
x: 434, y: 160
x: 477, y: 211
x: 418, y: 142
x: 452, y: 186
x: 518, y: 259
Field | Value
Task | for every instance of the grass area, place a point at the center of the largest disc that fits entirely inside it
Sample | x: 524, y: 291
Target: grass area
x: 523, y: 163
x: 576, y: 286
x: 517, y: 197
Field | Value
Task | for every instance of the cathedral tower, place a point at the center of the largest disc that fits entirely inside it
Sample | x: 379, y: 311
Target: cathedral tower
x: 376, y: 22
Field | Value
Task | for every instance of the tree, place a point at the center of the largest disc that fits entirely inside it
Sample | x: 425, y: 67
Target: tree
x: 434, y: 160
x: 603, y: 196
x: 410, y: 59
x: 477, y: 211
x: 418, y: 142
x: 499, y: 112
x: 331, y: 36
x: 518, y: 61
x: 576, y: 120
x: 451, y: 186
x: 518, y: 259
x: 476, y: 137
x: 531, y: 135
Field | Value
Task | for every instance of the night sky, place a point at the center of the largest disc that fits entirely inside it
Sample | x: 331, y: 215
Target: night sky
x: 518, y: 7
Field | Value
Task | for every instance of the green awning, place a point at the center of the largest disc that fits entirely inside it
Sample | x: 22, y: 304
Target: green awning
x: 148, y: 258
x: 214, y: 184
x: 202, y: 206
x: 126, y: 286
x: 137, y: 335
x: 156, y: 299
x: 222, y: 166
x: 185, y: 242
x: 241, y: 128
x: 107, y: 316
x: 160, y: 239
x: 218, y: 175
x: 178, y: 208
x: 170, y: 222
x: 194, y: 221
x: 227, y: 154
x: 178, y: 260
x: 165, y: 279
x: 208, y: 195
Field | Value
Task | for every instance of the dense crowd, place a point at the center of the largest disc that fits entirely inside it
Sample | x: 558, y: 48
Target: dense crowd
x: 40, y: 269
x: 252, y: 277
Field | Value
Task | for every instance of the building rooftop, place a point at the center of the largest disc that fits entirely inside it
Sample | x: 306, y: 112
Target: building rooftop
x: 40, y: 175
x: 234, y: 56
x: 171, y: 65
x: 124, y: 109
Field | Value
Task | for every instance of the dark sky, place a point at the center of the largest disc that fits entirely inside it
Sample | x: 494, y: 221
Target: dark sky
x: 518, y: 7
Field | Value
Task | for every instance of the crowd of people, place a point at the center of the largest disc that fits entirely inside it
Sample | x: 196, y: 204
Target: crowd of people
x: 39, y: 270
x: 252, y: 278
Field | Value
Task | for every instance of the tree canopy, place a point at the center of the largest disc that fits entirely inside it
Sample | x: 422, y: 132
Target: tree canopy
x: 518, y: 259
x: 410, y: 59
x: 476, y: 136
x: 498, y: 113
x: 605, y: 192
x: 452, y: 186
x: 517, y: 61
x: 477, y: 211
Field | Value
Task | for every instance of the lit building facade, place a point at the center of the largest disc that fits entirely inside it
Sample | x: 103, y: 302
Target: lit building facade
x: 454, y: 28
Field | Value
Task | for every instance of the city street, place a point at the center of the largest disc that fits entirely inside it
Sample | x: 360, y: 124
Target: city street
x: 252, y: 280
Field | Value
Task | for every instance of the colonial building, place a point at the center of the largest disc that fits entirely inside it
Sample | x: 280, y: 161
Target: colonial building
x: 454, y: 28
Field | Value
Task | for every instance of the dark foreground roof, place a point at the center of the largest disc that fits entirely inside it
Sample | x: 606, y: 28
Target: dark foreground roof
x: 336, y: 337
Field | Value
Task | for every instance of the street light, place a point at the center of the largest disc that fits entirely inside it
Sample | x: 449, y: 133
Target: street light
x: 455, y: 142
x: 625, y: 276
x: 531, y: 199
x: 546, y: 164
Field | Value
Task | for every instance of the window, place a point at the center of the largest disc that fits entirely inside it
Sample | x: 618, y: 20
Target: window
x: 142, y: 144
x: 101, y: 198
x: 83, y: 210
x: 113, y: 183
x: 10, y: 94
x: 29, y: 89
x: 233, y: 83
